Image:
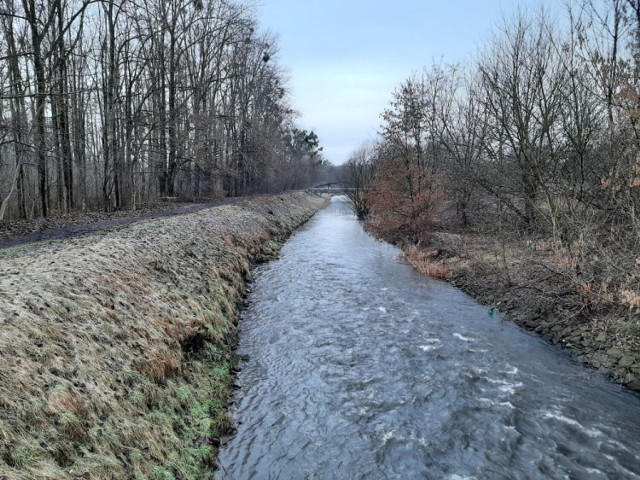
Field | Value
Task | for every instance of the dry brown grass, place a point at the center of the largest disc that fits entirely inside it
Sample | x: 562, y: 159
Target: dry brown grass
x: 116, y: 348
x: 427, y: 262
x: 630, y: 298
x: 538, y: 285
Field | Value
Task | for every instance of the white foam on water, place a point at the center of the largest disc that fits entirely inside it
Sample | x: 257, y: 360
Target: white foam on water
x: 511, y: 388
x: 594, y: 471
x: 512, y: 371
x: 382, y: 309
x: 423, y: 442
x: 463, y: 338
x: 562, y: 418
x: 387, y: 436
x: 498, y: 381
x: 505, y: 386
x: 476, y: 374
x: 614, y: 443
x: 477, y: 350
x: 428, y: 348
x: 493, y: 402
x: 570, y: 421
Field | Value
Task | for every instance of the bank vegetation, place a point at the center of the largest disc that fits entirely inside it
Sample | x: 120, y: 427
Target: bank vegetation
x: 116, y: 349
x: 517, y: 176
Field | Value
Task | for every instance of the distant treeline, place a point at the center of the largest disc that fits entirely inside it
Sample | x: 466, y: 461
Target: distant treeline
x: 106, y: 104
x: 538, y: 137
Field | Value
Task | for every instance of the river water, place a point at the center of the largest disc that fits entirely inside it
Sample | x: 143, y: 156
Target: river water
x: 359, y: 368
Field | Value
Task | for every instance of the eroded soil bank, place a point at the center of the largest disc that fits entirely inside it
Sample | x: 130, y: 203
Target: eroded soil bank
x: 116, y: 349
x: 533, y: 286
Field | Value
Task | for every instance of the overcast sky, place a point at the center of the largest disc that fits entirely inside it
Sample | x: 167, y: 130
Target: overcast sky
x: 345, y: 57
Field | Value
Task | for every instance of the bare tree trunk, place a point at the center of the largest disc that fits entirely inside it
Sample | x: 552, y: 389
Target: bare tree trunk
x: 37, y: 37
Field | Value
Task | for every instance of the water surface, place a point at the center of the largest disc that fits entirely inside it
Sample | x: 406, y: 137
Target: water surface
x: 360, y: 368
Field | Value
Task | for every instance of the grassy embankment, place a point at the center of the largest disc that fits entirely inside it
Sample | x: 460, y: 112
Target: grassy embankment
x: 535, y: 286
x: 116, y: 349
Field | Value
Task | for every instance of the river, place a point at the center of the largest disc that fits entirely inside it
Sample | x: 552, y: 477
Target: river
x: 357, y: 367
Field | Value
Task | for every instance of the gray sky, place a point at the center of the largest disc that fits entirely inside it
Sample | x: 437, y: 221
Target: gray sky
x: 345, y: 57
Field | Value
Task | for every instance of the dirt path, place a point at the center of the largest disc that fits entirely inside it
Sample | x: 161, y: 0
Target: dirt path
x: 19, y: 232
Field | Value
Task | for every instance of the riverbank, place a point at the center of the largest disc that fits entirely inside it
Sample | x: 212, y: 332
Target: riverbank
x: 116, y: 349
x: 532, y: 284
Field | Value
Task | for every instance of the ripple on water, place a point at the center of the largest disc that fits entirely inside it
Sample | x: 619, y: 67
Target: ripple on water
x: 358, y: 368
x: 459, y: 336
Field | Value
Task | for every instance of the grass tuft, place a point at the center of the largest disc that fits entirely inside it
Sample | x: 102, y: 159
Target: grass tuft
x: 427, y: 263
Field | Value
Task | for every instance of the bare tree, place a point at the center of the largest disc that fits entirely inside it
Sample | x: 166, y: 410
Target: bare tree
x: 521, y: 80
x: 112, y: 103
x: 356, y: 178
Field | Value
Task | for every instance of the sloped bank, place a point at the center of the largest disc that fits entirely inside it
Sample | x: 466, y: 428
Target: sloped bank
x: 116, y: 349
x: 533, y: 287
